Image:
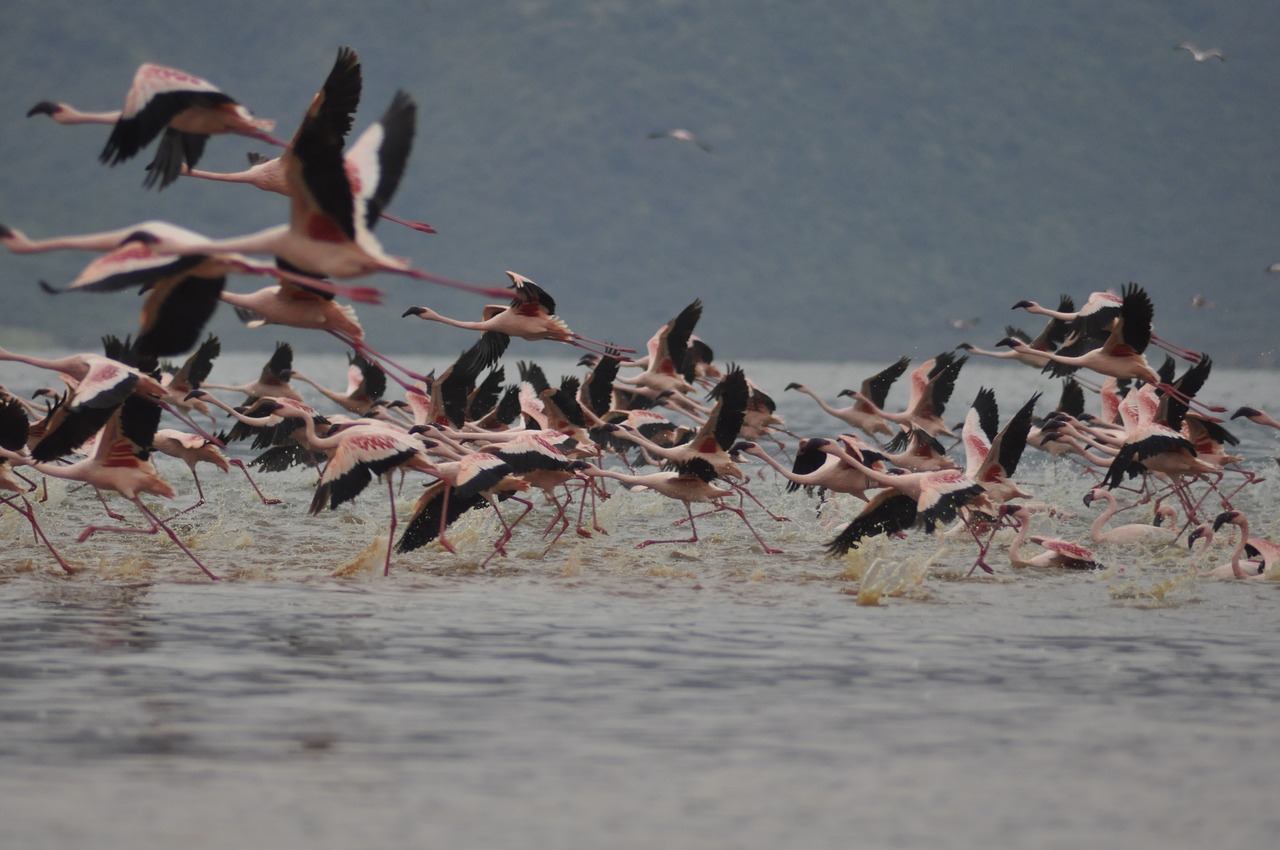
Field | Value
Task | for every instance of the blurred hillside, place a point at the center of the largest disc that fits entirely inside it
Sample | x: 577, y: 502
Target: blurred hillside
x: 878, y: 169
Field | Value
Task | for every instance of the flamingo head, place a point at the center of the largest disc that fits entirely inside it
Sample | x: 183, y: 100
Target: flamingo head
x: 1007, y: 342
x: 1246, y: 412
x: 415, y: 311
x: 792, y: 386
x: 1226, y: 517
x: 45, y: 107
x: 1198, y: 532
x: 1023, y: 305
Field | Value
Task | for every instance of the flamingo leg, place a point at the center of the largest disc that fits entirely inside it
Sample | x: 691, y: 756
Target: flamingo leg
x: 156, y: 525
x: 391, y: 535
x: 199, y: 497
x: 692, y: 528
x: 768, y: 550
x: 743, y: 490
x: 240, y: 465
x: 29, y: 512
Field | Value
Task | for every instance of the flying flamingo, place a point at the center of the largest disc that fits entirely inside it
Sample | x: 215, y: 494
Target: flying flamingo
x: 814, y: 468
x: 1097, y: 315
x: 932, y: 383
x: 328, y: 234
x: 362, y: 163
x: 874, y: 391
x: 1201, y: 55
x: 187, y: 108
x: 680, y: 135
x: 992, y: 455
x: 1256, y: 416
x: 1121, y: 356
x: 529, y: 316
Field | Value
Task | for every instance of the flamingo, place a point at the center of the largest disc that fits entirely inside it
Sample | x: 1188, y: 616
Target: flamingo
x: 686, y: 489
x: 1049, y: 338
x: 1121, y: 355
x: 680, y: 135
x: 1261, y: 552
x: 664, y: 363
x: 14, y: 428
x: 1125, y: 534
x: 358, y: 452
x: 192, y: 449
x: 925, y: 497
x: 1097, y: 316
x: 992, y: 456
x: 362, y: 163
x: 1266, y: 551
x: 1058, y: 553
x: 814, y: 468
x: 529, y: 316
x: 875, y: 390
x: 471, y: 480
x: 1201, y: 55
x: 932, y: 383
x: 143, y: 255
x: 121, y: 463
x: 187, y: 108
x: 366, y: 384
x: 328, y: 233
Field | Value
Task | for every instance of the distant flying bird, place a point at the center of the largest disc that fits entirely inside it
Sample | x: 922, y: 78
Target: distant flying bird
x: 1274, y: 268
x: 1200, y: 301
x: 963, y: 324
x: 187, y: 108
x: 1200, y: 55
x: 681, y: 135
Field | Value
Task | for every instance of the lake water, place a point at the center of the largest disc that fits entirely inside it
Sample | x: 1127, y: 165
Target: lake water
x: 704, y: 696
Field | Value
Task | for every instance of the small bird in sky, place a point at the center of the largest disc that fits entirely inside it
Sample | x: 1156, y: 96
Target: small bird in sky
x: 1201, y: 55
x: 963, y: 324
x: 682, y: 135
x: 1200, y: 301
x: 1274, y: 268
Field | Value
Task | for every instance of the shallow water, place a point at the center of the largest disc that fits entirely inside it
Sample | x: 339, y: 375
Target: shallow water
x: 600, y: 696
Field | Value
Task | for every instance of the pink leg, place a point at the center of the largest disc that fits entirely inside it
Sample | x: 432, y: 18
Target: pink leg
x: 156, y: 524
x: 391, y: 535
x: 420, y: 226
x: 29, y: 512
x: 692, y: 528
x: 742, y: 489
x: 199, y: 497
x: 240, y: 465
x: 769, y: 550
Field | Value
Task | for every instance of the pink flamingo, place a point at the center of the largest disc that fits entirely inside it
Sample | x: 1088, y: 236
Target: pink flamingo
x: 120, y: 463
x: 187, y: 108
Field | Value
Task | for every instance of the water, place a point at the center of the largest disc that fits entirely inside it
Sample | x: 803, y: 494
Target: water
x: 682, y: 696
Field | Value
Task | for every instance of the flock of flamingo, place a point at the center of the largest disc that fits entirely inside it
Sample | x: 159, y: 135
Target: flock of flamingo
x: 480, y: 442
